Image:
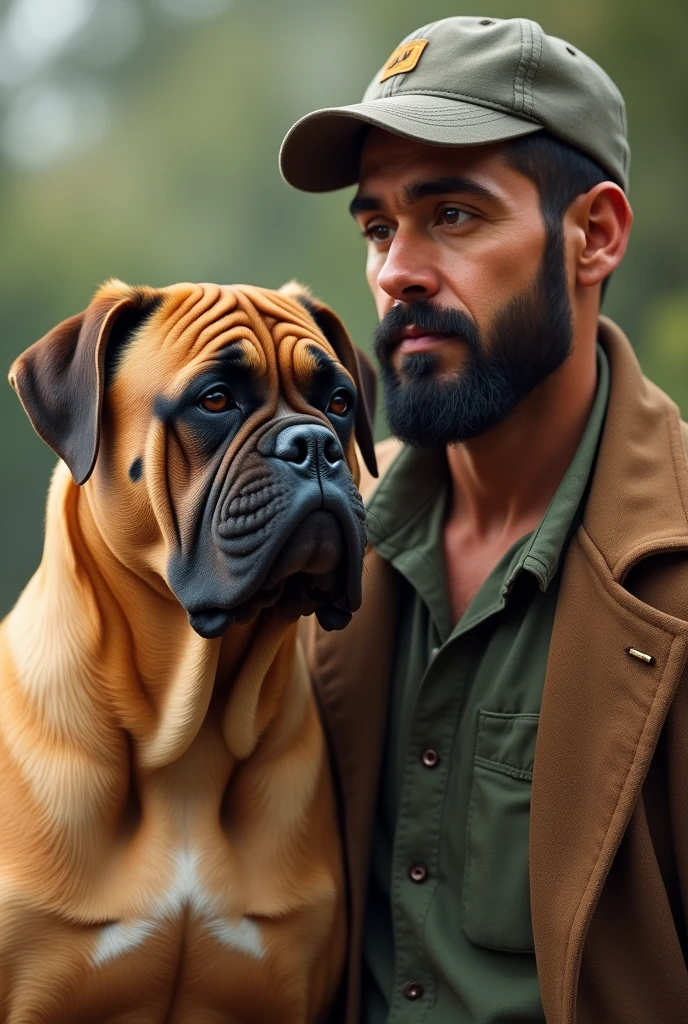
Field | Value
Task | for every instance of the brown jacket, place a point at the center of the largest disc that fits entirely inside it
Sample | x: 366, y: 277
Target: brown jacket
x: 609, y: 812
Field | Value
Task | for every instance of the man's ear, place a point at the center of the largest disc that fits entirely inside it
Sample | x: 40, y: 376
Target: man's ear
x: 353, y: 359
x: 60, y: 379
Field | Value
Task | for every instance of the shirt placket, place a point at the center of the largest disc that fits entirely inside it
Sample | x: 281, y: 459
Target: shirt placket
x: 415, y: 854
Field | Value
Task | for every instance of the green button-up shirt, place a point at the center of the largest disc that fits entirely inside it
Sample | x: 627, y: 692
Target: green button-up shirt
x: 448, y: 932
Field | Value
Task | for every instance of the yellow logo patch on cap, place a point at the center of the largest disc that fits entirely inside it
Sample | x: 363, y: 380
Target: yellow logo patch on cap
x: 404, y: 58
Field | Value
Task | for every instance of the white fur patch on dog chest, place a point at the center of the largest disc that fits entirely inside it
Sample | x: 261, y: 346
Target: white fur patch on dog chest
x: 185, y: 892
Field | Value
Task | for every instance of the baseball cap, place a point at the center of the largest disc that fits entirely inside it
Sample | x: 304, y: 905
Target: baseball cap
x: 467, y: 81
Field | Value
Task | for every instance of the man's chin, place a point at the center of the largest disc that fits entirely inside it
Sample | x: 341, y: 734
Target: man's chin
x: 415, y: 366
x: 446, y: 358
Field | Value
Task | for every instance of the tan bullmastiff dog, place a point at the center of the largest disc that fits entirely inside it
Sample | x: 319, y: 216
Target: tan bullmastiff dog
x: 168, y: 843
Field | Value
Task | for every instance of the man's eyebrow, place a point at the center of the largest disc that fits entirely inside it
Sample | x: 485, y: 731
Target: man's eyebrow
x: 418, y: 190
x: 364, y: 204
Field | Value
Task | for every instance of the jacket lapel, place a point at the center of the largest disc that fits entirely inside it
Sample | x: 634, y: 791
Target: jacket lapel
x: 602, y: 708
x: 352, y: 680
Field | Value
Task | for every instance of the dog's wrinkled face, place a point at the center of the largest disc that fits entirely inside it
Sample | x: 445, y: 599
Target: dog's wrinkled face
x: 222, y: 434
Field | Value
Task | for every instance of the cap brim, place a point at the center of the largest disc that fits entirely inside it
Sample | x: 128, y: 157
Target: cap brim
x: 322, y: 150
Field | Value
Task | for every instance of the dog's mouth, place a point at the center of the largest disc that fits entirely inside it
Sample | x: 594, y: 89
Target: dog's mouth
x: 310, y: 574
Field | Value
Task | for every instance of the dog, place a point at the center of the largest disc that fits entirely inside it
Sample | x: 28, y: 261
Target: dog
x: 169, y: 849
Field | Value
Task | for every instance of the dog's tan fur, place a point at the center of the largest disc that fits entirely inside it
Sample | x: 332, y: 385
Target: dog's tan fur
x: 168, y: 842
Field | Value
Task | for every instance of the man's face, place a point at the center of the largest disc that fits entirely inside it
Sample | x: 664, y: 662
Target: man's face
x: 470, y: 286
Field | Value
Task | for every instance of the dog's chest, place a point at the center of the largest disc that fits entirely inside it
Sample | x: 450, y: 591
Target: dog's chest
x: 179, y: 900
x: 198, y: 893
x: 179, y: 861
x: 189, y: 896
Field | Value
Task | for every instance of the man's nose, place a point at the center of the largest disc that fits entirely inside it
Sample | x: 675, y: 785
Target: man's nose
x: 408, y: 273
x: 309, y: 448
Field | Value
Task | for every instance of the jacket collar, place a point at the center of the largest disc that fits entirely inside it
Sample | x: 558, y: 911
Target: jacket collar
x: 639, y: 496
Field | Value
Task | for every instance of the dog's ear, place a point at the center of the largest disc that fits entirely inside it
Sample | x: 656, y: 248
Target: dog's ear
x: 60, y: 379
x: 353, y: 358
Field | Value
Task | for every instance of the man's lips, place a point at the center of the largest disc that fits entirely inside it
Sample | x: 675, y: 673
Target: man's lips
x: 414, y: 339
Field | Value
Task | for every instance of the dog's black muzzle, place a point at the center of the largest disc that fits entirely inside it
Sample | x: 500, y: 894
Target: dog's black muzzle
x: 287, y: 528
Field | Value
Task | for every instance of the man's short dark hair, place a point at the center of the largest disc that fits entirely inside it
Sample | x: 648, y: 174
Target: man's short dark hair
x: 560, y: 173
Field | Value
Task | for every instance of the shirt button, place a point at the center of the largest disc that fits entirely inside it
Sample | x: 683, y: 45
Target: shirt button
x: 418, y: 873
x: 430, y: 758
x: 413, y: 990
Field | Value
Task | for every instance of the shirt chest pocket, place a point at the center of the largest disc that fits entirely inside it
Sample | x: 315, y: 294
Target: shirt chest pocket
x: 496, y: 887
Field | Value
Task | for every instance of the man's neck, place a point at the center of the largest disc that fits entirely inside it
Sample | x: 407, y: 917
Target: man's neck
x: 503, y: 481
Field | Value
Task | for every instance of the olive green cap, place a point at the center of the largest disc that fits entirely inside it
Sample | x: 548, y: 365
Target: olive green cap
x: 465, y: 82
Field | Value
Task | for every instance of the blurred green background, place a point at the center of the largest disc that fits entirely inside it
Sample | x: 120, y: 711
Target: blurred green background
x: 139, y: 138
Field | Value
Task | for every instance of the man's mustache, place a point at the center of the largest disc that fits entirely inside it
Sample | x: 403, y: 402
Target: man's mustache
x: 426, y: 316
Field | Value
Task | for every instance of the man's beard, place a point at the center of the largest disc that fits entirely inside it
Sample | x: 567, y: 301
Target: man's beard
x: 528, y: 340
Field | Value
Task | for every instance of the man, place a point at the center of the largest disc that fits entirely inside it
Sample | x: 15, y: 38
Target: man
x: 525, y: 615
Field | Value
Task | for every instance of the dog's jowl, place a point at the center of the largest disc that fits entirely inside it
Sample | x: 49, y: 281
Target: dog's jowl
x: 168, y: 843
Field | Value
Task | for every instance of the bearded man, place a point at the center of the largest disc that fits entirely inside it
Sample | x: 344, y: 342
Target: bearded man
x: 508, y: 712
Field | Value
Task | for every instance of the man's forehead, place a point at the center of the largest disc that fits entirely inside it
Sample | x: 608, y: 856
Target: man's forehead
x: 389, y: 161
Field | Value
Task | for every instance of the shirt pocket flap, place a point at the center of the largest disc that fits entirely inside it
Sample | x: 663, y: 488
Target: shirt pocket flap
x: 506, y: 743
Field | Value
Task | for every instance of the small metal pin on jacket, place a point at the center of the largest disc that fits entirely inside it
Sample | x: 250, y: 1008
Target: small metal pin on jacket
x: 640, y: 655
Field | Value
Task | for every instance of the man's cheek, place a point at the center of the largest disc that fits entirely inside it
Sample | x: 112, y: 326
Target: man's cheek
x: 374, y: 264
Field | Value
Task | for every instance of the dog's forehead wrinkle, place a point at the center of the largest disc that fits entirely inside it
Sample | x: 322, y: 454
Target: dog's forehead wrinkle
x: 192, y: 308
x: 268, y: 303
x: 237, y: 352
x: 282, y: 315
x: 182, y: 300
x: 224, y: 328
x: 322, y: 358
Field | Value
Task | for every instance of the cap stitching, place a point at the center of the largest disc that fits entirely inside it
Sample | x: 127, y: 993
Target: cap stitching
x: 443, y: 94
x: 536, y: 57
x: 458, y: 121
x: 491, y: 115
x: 388, y: 85
x: 625, y: 149
x: 474, y: 108
x: 520, y: 70
x: 423, y: 32
x: 431, y: 115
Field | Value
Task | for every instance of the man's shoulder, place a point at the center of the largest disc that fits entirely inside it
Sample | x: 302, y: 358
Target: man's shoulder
x: 385, y: 452
x: 684, y: 438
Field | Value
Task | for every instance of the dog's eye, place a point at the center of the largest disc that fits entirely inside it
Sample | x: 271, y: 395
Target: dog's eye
x: 218, y: 399
x: 340, y: 403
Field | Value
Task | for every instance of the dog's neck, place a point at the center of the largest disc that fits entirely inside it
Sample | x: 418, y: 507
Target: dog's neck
x: 91, y: 634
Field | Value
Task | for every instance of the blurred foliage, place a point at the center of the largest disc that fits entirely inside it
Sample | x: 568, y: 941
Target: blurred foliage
x: 178, y: 179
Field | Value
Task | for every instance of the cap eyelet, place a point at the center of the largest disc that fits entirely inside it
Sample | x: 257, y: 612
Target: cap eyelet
x: 571, y: 51
x: 486, y: 21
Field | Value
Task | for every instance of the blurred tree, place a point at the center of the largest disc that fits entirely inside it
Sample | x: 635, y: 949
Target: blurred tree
x: 139, y: 138
x: 663, y: 343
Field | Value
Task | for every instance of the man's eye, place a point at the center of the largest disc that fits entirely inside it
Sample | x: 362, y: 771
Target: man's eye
x: 340, y: 403
x: 452, y: 215
x: 218, y: 399
x: 377, y: 232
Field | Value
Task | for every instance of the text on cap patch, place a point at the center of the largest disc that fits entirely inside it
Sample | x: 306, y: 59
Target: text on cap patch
x: 404, y: 58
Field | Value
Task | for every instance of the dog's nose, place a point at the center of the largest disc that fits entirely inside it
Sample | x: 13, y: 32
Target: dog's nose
x: 308, y: 447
